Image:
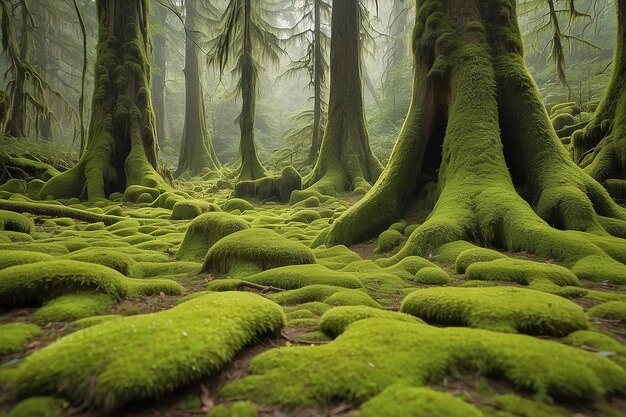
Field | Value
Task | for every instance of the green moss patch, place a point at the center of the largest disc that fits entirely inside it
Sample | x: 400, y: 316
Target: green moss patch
x: 504, y: 309
x: 237, y: 204
x: 204, y: 231
x: 327, y: 294
x: 388, y: 240
x: 336, y: 320
x: 36, y: 283
x: 432, y: 275
x: 238, y: 409
x: 15, y: 222
x: 613, y: 310
x: 402, y: 401
x: 298, y: 276
x: 18, y: 257
x: 254, y: 250
x: 114, y: 259
x: 373, y: 354
x: 14, y: 335
x: 521, y: 272
x: 72, y: 307
x: 111, y: 364
x: 473, y: 255
x: 39, y: 407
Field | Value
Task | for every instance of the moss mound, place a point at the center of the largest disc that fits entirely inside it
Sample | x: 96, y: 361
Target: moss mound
x: 432, y: 275
x: 613, y: 310
x: 114, y: 259
x: 238, y: 409
x: 36, y: 283
x: 336, y: 320
x: 327, y: 294
x: 402, y: 401
x: 278, y: 187
x: 18, y: 257
x: 39, y: 407
x: 237, y: 204
x: 373, y: 354
x: 72, y: 307
x: 204, y: 231
x: 111, y: 364
x: 15, y: 222
x: 190, y: 209
x: 473, y: 255
x: 503, y: 309
x: 298, y: 276
x: 388, y: 240
x: 521, y: 272
x: 254, y: 250
x: 14, y: 335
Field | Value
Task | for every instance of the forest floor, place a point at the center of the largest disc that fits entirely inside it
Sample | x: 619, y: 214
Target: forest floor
x: 553, y: 346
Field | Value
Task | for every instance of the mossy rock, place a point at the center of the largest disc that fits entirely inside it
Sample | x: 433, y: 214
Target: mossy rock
x: 10, y: 258
x: 510, y: 405
x: 112, y: 258
x: 39, y: 407
x: 563, y: 120
x: 15, y: 222
x: 298, y: 276
x: 598, y: 269
x: 336, y: 320
x: 276, y: 187
x: 146, y: 356
x: 92, y: 321
x: 254, y: 250
x: 613, y: 310
x: 237, y: 204
x: 432, y: 276
x: 238, y: 409
x: 13, y: 336
x: 389, y: 240
x: 403, y: 401
x: 503, y: 309
x: 305, y: 216
x: 374, y: 353
x: 145, y: 198
x: 15, y: 186
x: 33, y: 284
x: 473, y: 255
x: 326, y: 294
x: 204, y: 231
x: 309, y: 202
x: 156, y: 269
x: 134, y: 192
x: 190, y: 209
x: 521, y: 272
x: 72, y: 307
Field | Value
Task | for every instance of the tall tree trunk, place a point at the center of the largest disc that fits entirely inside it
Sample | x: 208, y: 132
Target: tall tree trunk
x: 251, y: 168
x: 318, y: 79
x: 16, y: 125
x: 158, y: 79
x: 478, y: 129
x: 601, y: 147
x: 346, y: 161
x: 44, y: 56
x: 196, y: 152
x: 121, y: 142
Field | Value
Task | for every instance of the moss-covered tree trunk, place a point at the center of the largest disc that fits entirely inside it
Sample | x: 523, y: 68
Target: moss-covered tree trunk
x: 16, y: 124
x: 158, y: 79
x: 478, y: 136
x: 346, y: 161
x: 318, y: 78
x: 196, y: 152
x: 251, y: 168
x: 601, y: 147
x: 121, y: 143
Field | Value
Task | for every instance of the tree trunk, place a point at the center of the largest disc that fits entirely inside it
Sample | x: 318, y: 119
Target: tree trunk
x: 318, y: 79
x: 346, y: 161
x: 251, y: 168
x: 16, y: 125
x: 478, y: 132
x: 601, y: 147
x: 158, y: 80
x: 196, y: 152
x: 44, y: 56
x: 121, y: 142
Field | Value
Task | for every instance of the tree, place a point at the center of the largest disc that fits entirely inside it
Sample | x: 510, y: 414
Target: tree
x: 346, y: 160
x: 196, y: 152
x: 159, y: 42
x: 246, y: 35
x: 601, y: 147
x: 121, y: 143
x: 477, y: 142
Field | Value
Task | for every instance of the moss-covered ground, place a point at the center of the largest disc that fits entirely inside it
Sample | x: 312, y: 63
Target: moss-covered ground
x: 194, y: 302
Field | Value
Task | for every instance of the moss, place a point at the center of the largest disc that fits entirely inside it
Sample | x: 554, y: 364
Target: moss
x: 596, y: 268
x: 255, y: 250
x: 53, y: 249
x: 503, y: 309
x: 13, y: 336
x: 336, y: 257
x: 145, y: 198
x: 15, y: 186
x: 374, y: 353
x: 515, y: 406
x: 277, y: 187
x: 37, y: 283
x: 190, y: 209
x: 298, y: 276
x: 238, y: 409
x: 326, y: 294
x: 471, y: 256
x: 148, y: 355
x: 305, y: 216
x: 432, y: 276
x: 388, y: 240
x: 237, y: 204
x: 15, y: 222
x: 336, y: 320
x: 562, y: 120
x: 134, y: 192
x: 613, y: 310
x: 114, y: 259
x: 303, y: 322
x: 309, y: 202
x: 72, y: 307
x: 155, y: 269
x: 18, y: 257
x: 17, y: 237
x: 92, y: 321
x: 402, y: 401
x: 521, y: 272
x: 39, y: 407
x: 450, y: 251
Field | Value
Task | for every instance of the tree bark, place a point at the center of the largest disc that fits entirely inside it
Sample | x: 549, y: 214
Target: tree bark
x: 196, y: 152
x: 158, y: 80
x: 346, y: 161
x: 478, y: 136
x: 16, y: 125
x: 121, y: 142
x: 318, y: 79
x: 601, y: 147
